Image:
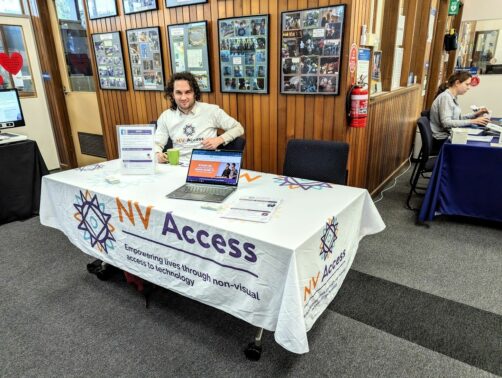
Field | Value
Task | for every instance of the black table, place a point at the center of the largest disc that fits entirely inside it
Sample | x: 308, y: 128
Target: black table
x: 21, y: 171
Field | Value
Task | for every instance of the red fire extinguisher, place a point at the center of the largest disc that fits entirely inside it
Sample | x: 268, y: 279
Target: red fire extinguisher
x: 357, y: 106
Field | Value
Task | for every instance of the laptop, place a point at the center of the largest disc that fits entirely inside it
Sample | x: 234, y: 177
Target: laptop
x: 212, y: 176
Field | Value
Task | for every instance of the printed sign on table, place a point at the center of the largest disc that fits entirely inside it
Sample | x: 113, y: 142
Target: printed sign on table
x: 136, y: 148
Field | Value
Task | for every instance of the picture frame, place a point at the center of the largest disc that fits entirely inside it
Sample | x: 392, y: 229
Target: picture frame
x: 136, y: 6
x: 145, y: 57
x: 311, y: 50
x: 101, y: 8
x: 109, y: 60
x: 188, y: 44
x: 243, y: 49
x: 180, y: 3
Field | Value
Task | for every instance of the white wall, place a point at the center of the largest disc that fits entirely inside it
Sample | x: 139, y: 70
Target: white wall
x: 481, y: 10
x: 487, y: 93
x: 35, y: 110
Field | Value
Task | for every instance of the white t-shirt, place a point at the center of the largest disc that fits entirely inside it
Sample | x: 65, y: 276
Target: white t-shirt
x: 187, y: 131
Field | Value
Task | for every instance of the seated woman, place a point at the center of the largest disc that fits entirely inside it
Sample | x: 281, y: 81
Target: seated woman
x: 446, y: 113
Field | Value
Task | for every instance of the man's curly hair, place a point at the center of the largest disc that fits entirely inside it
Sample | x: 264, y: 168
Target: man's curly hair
x: 169, y: 90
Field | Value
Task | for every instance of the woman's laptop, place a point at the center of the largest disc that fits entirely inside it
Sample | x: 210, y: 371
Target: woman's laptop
x: 212, y: 176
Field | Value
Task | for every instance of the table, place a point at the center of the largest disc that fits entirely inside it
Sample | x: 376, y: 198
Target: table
x: 466, y: 181
x: 21, y: 171
x: 279, y: 276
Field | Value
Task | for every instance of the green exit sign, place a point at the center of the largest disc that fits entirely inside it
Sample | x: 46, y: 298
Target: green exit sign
x: 453, y: 7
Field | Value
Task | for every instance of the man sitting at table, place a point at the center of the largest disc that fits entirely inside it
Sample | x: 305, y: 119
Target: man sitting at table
x: 192, y: 124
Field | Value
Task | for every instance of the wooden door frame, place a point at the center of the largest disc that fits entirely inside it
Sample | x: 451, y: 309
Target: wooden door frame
x: 53, y: 86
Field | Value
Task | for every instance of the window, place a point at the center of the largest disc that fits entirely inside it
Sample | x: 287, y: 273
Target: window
x: 12, y: 41
x: 11, y: 7
x: 480, y: 45
x: 74, y: 36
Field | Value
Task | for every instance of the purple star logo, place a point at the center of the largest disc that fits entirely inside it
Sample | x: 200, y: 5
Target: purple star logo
x: 328, y: 238
x: 188, y: 130
x: 298, y: 183
x: 94, y: 221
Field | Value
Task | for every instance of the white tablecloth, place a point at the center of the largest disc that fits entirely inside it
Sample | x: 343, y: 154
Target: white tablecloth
x: 279, y: 275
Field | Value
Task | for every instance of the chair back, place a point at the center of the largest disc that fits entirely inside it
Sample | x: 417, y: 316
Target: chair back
x: 426, y: 135
x: 237, y: 144
x: 426, y: 113
x: 318, y: 160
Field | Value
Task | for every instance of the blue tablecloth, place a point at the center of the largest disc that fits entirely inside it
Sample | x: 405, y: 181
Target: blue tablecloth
x: 466, y: 181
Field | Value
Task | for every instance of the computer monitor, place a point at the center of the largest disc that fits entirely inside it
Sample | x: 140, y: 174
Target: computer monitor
x: 11, y: 113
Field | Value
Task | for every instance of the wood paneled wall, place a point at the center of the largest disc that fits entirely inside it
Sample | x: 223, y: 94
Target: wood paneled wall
x: 270, y: 120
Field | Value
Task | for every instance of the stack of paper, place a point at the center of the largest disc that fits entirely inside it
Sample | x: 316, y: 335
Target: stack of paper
x: 255, y: 209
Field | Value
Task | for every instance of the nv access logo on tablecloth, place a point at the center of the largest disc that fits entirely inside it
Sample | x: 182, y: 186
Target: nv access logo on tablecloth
x: 324, y: 282
x: 328, y: 238
x: 298, y: 183
x: 94, y: 221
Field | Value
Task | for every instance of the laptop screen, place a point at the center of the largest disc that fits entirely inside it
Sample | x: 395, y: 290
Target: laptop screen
x: 221, y: 167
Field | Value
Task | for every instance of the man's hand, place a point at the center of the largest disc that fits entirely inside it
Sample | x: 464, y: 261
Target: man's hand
x: 212, y: 143
x: 161, y: 158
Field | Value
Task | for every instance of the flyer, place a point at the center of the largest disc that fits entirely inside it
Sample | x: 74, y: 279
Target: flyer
x: 136, y: 149
x: 255, y: 209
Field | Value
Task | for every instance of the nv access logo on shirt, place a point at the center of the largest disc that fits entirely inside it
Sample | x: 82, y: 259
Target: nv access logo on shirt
x: 188, y: 130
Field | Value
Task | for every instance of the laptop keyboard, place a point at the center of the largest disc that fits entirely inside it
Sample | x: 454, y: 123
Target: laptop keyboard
x: 204, y: 189
x: 494, y: 127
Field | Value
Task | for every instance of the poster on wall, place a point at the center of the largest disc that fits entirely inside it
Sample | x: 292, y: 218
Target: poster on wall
x: 135, y: 6
x: 189, y: 51
x: 243, y: 49
x: 179, y: 3
x: 311, y: 50
x: 363, y: 66
x: 146, y: 59
x: 101, y: 8
x: 376, y: 74
x: 109, y: 60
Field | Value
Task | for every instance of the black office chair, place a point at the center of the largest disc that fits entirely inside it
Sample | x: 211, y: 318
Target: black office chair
x: 425, y: 163
x: 319, y: 160
x: 237, y: 144
x: 426, y: 113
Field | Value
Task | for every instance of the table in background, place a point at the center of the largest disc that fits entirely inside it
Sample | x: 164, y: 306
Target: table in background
x: 466, y: 181
x: 21, y: 171
x: 279, y: 276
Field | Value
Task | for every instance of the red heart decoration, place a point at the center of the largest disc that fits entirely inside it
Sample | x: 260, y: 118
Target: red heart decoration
x: 12, y: 64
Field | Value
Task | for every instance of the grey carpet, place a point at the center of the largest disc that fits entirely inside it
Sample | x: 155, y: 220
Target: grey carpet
x: 58, y: 320
x: 462, y: 332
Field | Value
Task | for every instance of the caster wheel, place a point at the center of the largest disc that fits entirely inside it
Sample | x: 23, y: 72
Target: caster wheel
x: 105, y: 272
x: 94, y: 266
x: 253, y: 352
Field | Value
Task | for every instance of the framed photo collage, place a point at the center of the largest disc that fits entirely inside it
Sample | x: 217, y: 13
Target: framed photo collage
x: 311, y: 49
x: 243, y: 45
x: 310, y: 54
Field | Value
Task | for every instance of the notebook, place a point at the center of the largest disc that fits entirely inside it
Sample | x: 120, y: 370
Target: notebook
x: 212, y: 176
